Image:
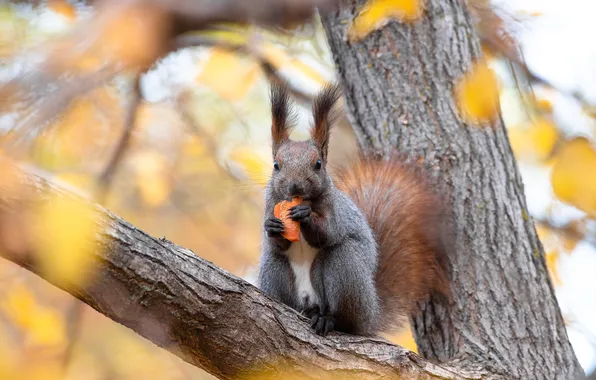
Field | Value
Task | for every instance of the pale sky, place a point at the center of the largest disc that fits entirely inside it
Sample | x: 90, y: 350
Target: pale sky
x: 558, y: 45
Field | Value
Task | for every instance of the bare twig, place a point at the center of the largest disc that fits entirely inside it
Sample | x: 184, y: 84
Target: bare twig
x: 195, y: 129
x: 74, y: 329
x: 517, y: 60
x: 105, y: 179
x: 104, y: 182
x: 196, y: 14
x: 493, y: 25
x: 571, y: 231
x: 52, y: 105
x: 251, y: 50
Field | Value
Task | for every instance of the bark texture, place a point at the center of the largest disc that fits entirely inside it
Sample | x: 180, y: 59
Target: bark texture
x: 399, y: 84
x: 201, y: 313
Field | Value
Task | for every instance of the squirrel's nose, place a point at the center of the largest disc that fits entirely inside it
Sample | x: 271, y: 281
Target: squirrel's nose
x: 295, y: 190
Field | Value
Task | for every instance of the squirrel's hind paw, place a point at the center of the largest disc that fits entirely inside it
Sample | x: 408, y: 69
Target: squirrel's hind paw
x: 322, y: 324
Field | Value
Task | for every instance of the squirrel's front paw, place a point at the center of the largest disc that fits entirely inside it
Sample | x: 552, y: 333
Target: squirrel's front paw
x: 300, y: 213
x: 322, y: 324
x: 274, y: 227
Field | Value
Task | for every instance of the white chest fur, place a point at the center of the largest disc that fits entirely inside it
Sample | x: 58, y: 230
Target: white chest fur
x: 301, y: 256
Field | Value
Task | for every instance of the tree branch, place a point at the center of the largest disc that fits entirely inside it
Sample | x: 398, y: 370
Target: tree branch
x: 203, y: 314
x: 195, y: 14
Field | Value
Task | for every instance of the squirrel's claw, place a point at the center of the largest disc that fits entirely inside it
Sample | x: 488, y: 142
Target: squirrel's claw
x: 274, y: 227
x: 300, y: 213
x: 311, y: 311
x: 322, y: 324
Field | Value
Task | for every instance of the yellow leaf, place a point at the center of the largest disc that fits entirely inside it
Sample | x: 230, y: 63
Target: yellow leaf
x: 151, y: 177
x: 63, y: 8
x: 377, y: 13
x: 477, y: 94
x: 544, y: 135
x: 228, y: 37
x: 18, y: 305
x: 228, y: 74
x: 254, y: 165
x: 544, y: 105
x: 534, y: 142
x: 519, y: 141
x: 573, y: 176
x: 282, y: 61
x: 552, y: 258
x: 43, y: 326
x: 47, y: 328
x: 63, y: 233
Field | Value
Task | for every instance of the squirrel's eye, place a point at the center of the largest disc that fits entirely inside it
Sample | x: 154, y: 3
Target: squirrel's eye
x: 275, y: 165
x: 318, y: 165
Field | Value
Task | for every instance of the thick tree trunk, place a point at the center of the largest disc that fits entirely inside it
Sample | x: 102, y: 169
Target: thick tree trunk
x: 399, y: 91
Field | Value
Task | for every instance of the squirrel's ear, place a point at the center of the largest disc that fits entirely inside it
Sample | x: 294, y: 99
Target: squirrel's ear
x: 323, y: 112
x: 281, y: 115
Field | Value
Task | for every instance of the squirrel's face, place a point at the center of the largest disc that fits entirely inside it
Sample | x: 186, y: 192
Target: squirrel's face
x: 299, y: 166
x: 298, y: 171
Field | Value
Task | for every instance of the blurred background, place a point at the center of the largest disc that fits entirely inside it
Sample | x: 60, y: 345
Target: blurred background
x: 189, y: 158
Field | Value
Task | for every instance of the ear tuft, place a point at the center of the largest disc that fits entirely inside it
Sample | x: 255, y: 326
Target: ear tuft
x: 324, y: 115
x: 281, y: 114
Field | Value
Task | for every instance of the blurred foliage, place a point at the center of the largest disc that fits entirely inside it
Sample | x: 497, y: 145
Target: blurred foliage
x: 477, y: 94
x: 571, y: 181
x: 199, y: 155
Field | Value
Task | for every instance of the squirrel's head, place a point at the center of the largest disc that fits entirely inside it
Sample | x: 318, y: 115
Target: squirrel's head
x: 300, y: 167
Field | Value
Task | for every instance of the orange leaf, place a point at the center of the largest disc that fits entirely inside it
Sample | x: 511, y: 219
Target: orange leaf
x: 63, y: 8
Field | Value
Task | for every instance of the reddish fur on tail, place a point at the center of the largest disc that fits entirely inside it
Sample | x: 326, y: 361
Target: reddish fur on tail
x: 409, y: 224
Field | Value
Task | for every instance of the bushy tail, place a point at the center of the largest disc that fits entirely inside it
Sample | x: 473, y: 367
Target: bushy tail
x: 410, y: 225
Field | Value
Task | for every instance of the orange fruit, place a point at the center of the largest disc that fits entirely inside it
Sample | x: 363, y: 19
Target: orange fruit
x: 282, y: 211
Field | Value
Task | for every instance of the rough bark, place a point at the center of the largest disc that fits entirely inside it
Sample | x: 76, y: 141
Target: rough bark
x: 203, y: 314
x: 399, y: 85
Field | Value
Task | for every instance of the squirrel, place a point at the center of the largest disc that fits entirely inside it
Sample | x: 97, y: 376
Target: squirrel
x: 372, y: 241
